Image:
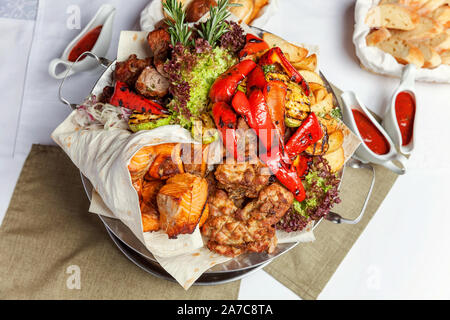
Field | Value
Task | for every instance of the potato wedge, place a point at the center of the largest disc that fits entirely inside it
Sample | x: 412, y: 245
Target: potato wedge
x: 293, y: 53
x: 311, y: 76
x: 330, y: 123
x: 319, y: 148
x: 320, y: 94
x: 335, y: 159
x: 257, y: 6
x: 335, y: 141
x: 316, y: 86
x: 309, y: 63
x: 324, y: 106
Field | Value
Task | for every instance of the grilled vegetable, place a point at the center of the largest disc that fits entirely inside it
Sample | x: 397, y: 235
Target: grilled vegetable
x: 275, y: 95
x: 226, y: 122
x: 275, y: 55
x: 256, y: 79
x: 242, y: 106
x: 319, y: 148
x: 307, y: 134
x: 203, y: 129
x: 262, y: 122
x: 301, y: 165
x: 226, y: 84
x: 253, y: 45
x: 287, y: 175
x: 297, y: 106
x: 124, y: 97
x: 146, y: 121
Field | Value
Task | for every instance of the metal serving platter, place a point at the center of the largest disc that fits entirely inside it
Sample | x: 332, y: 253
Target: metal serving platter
x: 131, y: 247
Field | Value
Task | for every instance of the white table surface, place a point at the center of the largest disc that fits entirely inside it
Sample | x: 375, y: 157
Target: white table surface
x: 403, y: 253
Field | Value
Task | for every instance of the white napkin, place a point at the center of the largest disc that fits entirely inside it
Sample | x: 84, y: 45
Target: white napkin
x: 41, y: 110
x: 15, y: 41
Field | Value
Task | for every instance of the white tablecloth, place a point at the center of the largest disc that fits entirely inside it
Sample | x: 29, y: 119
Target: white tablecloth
x: 403, y: 251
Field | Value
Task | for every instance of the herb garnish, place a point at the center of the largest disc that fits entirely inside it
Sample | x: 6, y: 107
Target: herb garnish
x: 215, y: 27
x: 178, y: 29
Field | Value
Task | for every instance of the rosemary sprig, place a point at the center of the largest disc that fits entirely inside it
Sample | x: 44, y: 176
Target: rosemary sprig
x: 215, y: 27
x: 178, y: 29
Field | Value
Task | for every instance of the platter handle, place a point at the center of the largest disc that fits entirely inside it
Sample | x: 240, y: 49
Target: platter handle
x: 337, y: 218
x: 101, y: 61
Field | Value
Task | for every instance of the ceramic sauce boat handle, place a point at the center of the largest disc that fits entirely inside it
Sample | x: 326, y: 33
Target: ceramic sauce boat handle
x: 59, y: 62
x: 395, y: 168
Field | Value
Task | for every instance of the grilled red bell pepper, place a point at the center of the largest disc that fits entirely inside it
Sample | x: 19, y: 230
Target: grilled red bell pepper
x: 124, y: 97
x: 226, y: 121
x: 253, y: 45
x: 275, y: 96
x: 309, y: 132
x: 226, y: 84
x: 286, y: 174
x: 261, y: 118
x: 275, y: 55
x: 301, y: 165
x: 242, y: 106
x: 256, y: 79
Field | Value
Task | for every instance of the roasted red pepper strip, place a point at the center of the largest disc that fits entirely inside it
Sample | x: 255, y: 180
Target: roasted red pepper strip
x: 301, y: 165
x: 225, y: 85
x: 226, y: 121
x: 307, y: 134
x: 261, y: 118
x: 256, y: 79
x: 275, y: 96
x: 253, y: 45
x: 275, y: 55
x: 286, y: 175
x: 124, y: 97
x: 242, y: 106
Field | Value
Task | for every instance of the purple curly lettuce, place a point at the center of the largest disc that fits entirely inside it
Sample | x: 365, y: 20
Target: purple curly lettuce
x: 322, y: 193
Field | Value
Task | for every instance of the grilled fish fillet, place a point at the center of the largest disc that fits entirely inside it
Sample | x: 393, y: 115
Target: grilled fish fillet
x: 181, y: 203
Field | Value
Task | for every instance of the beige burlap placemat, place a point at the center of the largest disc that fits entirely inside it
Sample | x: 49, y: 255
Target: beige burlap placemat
x: 51, y: 248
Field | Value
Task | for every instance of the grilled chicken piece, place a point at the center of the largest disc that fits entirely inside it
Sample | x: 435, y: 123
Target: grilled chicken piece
x: 232, y: 231
x: 151, y: 83
x: 242, y: 179
x: 167, y: 162
x: 129, y: 70
x: 298, y: 105
x: 181, y: 203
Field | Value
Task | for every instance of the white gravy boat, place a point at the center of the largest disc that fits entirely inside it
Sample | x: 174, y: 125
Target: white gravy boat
x: 390, y: 122
x: 364, y: 153
x: 104, y: 17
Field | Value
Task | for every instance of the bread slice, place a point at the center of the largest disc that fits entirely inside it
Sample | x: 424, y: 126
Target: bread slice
x: 425, y: 28
x: 432, y: 59
x: 442, y: 15
x: 440, y: 42
x: 391, y: 16
x: 414, y: 4
x: 402, y: 51
x: 377, y: 36
x: 430, y: 6
x: 243, y: 11
x: 445, y: 56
